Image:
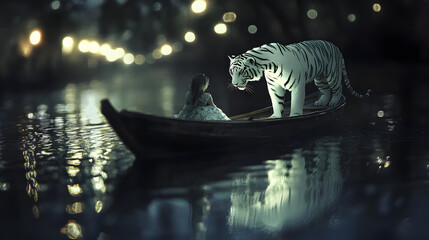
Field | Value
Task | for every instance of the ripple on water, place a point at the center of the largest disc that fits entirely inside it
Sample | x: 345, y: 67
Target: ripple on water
x: 70, y: 157
x: 71, y: 160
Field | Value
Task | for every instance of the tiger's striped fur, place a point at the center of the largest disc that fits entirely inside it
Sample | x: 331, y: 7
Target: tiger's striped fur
x: 291, y: 67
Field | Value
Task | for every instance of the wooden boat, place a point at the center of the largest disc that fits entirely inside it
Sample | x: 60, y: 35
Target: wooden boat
x: 149, y: 136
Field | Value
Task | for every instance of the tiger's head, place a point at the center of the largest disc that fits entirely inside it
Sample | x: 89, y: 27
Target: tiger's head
x: 244, y: 69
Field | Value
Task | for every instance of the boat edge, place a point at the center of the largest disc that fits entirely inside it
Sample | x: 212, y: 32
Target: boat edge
x: 115, y: 120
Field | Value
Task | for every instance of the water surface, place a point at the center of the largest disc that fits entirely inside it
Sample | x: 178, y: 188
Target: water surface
x: 64, y: 174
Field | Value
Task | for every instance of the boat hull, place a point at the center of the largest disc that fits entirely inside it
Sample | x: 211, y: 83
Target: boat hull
x: 149, y: 136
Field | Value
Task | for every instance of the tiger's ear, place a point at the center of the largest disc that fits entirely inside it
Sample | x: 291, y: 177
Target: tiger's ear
x: 231, y: 57
x: 251, y: 60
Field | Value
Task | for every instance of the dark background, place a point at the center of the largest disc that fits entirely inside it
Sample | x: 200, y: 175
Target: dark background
x: 385, y: 51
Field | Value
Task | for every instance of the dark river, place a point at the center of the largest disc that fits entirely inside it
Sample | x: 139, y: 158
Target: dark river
x: 64, y: 174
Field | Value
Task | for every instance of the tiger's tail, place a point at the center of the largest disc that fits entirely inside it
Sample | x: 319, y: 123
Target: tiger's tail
x: 347, y: 81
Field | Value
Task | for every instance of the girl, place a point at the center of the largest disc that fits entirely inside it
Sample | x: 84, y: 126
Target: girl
x: 200, y: 105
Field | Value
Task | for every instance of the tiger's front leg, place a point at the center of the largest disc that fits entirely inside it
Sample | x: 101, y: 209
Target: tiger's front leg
x: 277, y: 94
x: 297, y: 99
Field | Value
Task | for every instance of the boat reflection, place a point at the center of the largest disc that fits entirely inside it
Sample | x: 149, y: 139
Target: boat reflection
x: 290, y: 192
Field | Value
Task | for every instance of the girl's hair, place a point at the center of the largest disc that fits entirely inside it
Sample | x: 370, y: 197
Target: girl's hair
x: 198, y: 83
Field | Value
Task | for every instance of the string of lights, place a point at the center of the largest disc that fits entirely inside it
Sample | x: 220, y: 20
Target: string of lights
x: 114, y: 54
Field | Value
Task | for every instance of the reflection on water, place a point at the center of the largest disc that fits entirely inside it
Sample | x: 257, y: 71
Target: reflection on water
x: 71, y: 143
x: 70, y: 162
x: 72, y: 230
x: 297, y: 189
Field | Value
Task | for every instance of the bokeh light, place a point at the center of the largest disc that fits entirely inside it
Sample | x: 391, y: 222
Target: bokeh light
x: 156, y: 54
x: 312, y: 14
x: 177, y: 46
x: 111, y: 57
x: 190, y: 37
x: 94, y: 47
x: 166, y: 49
x: 115, y: 54
x: 25, y: 48
x: 252, y: 29
x: 351, y: 17
x: 55, y: 5
x: 84, y: 46
x: 376, y: 7
x: 199, y: 6
x: 229, y: 17
x: 105, y: 49
x: 220, y: 28
x: 119, y: 52
x: 128, y: 58
x: 157, y: 6
x: 4, y: 186
x: 380, y: 113
x: 68, y: 43
x: 36, y: 37
x: 139, y: 59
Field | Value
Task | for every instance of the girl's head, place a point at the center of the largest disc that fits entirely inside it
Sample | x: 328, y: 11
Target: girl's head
x: 199, y: 84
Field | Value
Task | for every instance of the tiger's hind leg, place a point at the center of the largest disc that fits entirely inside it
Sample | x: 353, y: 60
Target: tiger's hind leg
x: 325, y: 89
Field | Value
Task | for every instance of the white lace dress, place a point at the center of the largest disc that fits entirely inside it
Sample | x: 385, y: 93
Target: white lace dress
x: 202, y: 111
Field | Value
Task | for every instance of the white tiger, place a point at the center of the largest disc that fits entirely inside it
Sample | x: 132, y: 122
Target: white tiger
x: 290, y: 67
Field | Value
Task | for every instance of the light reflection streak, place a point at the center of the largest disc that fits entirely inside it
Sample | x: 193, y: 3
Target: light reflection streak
x: 72, y: 230
x: 200, y: 210
x: 90, y: 107
x: 98, y: 206
x: 35, y: 148
x: 74, y: 190
x: 298, y: 190
x: 25, y: 48
x: 98, y: 184
x: 69, y: 144
x: 74, y: 208
x: 30, y: 174
x: 383, y: 163
x: 36, y: 212
x: 74, y: 162
x: 167, y: 92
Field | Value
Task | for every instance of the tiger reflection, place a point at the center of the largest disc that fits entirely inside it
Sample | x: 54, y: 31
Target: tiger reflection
x: 301, y: 186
